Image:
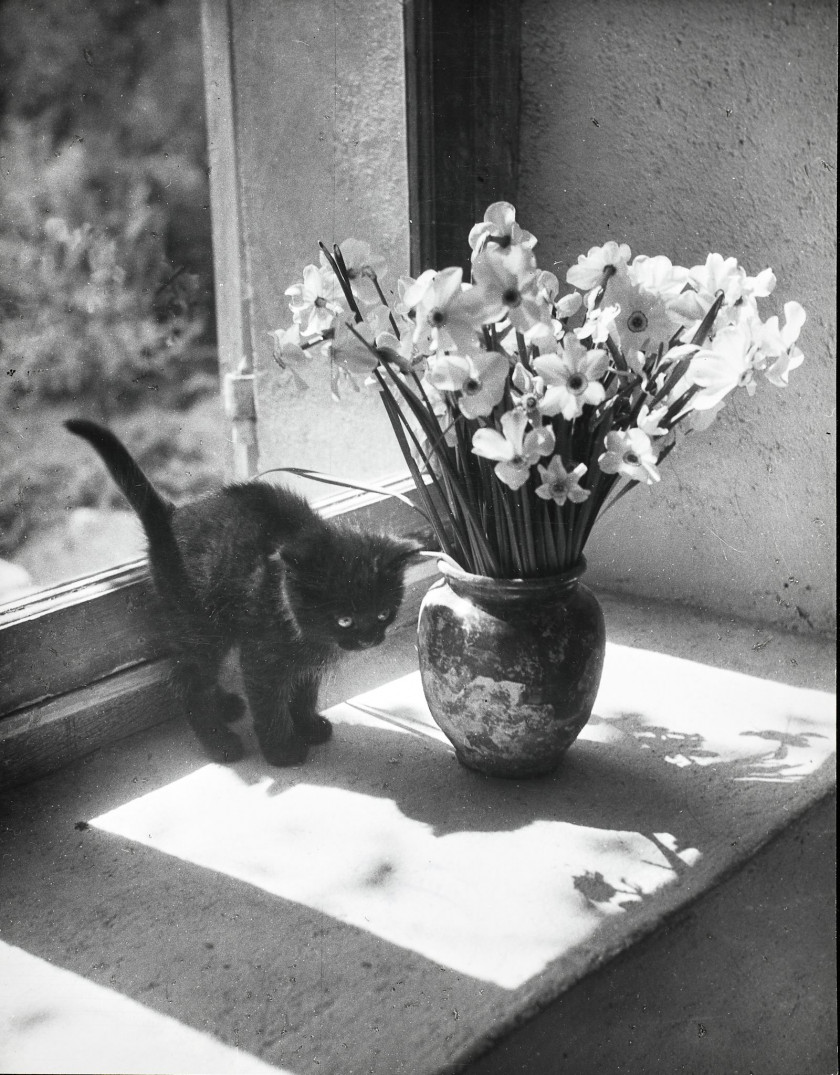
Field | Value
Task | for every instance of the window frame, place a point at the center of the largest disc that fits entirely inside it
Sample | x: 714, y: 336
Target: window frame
x: 80, y: 660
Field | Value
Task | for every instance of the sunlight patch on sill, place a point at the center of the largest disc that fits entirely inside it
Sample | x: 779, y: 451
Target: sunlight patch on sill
x: 55, y: 1020
x: 496, y: 879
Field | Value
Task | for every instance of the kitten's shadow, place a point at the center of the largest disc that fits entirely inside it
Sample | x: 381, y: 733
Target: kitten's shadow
x: 421, y: 775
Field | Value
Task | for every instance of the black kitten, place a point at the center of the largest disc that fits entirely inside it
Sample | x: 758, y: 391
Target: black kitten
x: 254, y: 565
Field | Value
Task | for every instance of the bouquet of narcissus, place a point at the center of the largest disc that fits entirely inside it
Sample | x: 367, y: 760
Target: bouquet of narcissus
x: 523, y: 412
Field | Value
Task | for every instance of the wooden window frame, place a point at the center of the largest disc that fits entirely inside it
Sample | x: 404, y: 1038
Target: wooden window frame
x: 80, y: 662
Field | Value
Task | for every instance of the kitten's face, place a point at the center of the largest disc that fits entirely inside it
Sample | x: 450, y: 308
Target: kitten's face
x: 346, y: 589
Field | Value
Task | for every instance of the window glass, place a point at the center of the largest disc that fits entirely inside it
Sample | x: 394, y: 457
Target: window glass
x: 105, y: 276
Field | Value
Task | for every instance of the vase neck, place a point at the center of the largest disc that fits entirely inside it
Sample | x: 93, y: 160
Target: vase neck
x: 484, y: 589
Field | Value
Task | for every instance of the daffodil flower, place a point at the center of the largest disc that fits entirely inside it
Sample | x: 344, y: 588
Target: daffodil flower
x: 362, y: 266
x: 780, y: 344
x: 548, y: 287
x: 644, y: 320
x: 572, y: 378
x: 315, y: 301
x: 630, y: 453
x: 648, y: 420
x: 569, y: 305
x: 515, y: 450
x: 726, y: 364
x: 560, y: 484
x: 529, y: 394
x: 288, y: 354
x: 600, y: 321
x: 509, y: 285
x: 499, y: 230
x: 346, y: 349
x: 479, y: 379
x: 658, y: 276
x: 719, y: 274
x: 447, y: 315
x: 600, y: 261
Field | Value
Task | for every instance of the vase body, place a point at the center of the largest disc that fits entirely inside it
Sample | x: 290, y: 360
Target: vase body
x: 511, y: 667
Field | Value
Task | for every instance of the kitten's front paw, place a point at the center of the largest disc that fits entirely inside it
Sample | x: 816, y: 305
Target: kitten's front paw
x: 290, y: 751
x: 221, y: 745
x: 315, y: 730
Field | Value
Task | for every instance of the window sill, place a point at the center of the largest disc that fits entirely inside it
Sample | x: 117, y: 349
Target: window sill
x: 380, y: 907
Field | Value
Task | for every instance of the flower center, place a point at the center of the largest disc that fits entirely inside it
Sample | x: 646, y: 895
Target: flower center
x: 511, y: 296
x: 631, y: 459
x: 471, y: 386
x: 320, y: 301
x: 437, y: 318
x: 637, y: 322
x: 530, y: 403
x: 577, y: 383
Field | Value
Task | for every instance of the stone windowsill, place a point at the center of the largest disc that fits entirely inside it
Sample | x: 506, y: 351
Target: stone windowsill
x: 380, y: 908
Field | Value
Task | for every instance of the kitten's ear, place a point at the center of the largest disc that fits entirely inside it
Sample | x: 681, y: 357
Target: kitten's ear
x: 402, y: 550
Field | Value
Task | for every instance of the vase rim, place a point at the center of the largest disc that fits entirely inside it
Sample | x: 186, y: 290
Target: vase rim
x: 540, y: 583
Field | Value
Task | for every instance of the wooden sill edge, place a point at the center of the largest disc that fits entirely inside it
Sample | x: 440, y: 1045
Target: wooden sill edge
x: 42, y: 737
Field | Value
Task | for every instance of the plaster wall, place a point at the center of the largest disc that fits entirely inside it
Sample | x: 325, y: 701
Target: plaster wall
x: 682, y: 129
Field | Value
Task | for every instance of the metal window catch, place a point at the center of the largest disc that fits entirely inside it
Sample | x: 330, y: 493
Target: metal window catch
x: 241, y: 411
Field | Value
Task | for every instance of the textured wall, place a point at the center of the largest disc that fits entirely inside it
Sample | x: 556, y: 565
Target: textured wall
x: 682, y: 129
x: 320, y: 103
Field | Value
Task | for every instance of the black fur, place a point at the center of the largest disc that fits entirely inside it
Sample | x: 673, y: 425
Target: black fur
x: 253, y: 565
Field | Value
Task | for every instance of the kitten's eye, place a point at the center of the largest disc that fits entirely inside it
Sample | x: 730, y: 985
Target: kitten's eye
x: 382, y: 616
x: 345, y: 621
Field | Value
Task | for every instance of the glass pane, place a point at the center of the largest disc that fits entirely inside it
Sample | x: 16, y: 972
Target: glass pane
x: 105, y: 276
x: 321, y: 143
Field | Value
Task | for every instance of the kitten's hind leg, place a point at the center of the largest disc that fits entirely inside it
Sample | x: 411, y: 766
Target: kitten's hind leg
x: 269, y: 696
x: 207, y: 707
x: 308, y: 722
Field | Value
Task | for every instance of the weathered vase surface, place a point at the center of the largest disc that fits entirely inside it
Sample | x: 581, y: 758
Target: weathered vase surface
x: 511, y: 667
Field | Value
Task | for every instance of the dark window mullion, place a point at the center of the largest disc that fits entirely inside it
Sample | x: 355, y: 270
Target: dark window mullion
x: 463, y: 65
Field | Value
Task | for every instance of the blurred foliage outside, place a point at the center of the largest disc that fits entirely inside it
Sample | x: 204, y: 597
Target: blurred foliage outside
x: 105, y: 252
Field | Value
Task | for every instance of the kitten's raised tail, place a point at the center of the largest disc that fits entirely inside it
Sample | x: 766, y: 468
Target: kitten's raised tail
x: 153, y: 510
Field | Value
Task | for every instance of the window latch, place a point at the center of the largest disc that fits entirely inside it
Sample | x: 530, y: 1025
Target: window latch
x: 242, y: 414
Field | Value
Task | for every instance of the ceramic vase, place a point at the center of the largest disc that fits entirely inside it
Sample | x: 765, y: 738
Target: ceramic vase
x: 511, y: 667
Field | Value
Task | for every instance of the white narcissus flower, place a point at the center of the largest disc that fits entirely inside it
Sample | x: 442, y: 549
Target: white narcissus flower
x: 548, y: 287
x: 630, y: 453
x: 759, y: 287
x: 780, y: 344
x: 648, y: 421
x: 509, y: 285
x: 316, y: 301
x: 726, y: 364
x: 288, y: 354
x: 572, y: 378
x: 600, y: 321
x: 645, y: 320
x: 719, y: 274
x: 362, y: 268
x: 657, y: 275
x: 446, y: 314
x: 478, y: 378
x: 528, y: 394
x: 560, y: 484
x: 569, y: 305
x: 592, y: 266
x: 499, y: 231
x: 515, y: 450
x: 347, y: 350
